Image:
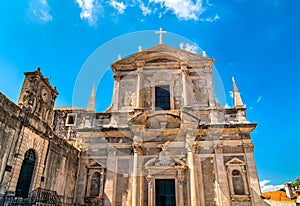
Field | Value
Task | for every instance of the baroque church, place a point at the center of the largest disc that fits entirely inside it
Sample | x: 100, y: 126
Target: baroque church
x: 164, y: 141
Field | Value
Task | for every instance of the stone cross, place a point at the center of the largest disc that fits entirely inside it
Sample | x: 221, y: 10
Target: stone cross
x: 160, y: 32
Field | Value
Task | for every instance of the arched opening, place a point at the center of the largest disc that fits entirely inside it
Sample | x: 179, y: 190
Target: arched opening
x: 95, y: 185
x: 237, y: 181
x: 26, y: 174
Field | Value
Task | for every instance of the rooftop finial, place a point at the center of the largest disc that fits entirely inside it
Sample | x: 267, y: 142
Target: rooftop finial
x: 237, y: 100
x: 140, y: 48
x: 92, y: 101
x: 119, y: 57
x: 181, y: 46
x: 160, y: 32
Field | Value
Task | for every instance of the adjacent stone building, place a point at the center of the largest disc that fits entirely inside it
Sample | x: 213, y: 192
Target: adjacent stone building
x: 34, y: 159
x: 164, y: 140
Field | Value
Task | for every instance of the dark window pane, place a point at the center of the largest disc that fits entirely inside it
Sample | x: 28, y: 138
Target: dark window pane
x: 95, y: 184
x: 237, y: 181
x: 162, y: 97
x: 165, y: 192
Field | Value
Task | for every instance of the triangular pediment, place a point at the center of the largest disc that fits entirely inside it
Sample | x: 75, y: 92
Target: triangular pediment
x: 163, y: 55
x: 94, y: 164
x: 235, y: 161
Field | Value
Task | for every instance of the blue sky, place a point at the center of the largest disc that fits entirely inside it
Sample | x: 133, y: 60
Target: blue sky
x: 256, y: 41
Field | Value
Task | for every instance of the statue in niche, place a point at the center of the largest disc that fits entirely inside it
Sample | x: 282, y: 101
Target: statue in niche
x: 133, y: 100
x: 163, y: 158
x: 127, y: 99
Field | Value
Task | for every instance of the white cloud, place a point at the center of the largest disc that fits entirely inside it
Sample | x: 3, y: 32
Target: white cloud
x: 259, y: 99
x: 208, y: 3
x: 183, y: 9
x: 39, y: 11
x: 193, y: 48
x: 119, y: 6
x: 145, y: 9
x: 89, y: 10
x: 44, y: 2
x: 266, y: 187
x: 211, y: 19
x: 231, y: 94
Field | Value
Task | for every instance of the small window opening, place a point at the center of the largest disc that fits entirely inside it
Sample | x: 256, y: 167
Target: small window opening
x: 162, y: 97
x: 238, y: 184
x: 71, y: 120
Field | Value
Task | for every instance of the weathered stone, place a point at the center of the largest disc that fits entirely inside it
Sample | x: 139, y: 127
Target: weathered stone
x: 164, y: 128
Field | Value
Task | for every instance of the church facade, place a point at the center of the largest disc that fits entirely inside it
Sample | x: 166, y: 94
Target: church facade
x: 164, y: 140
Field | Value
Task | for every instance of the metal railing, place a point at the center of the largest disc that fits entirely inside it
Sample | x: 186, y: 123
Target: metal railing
x: 38, y: 196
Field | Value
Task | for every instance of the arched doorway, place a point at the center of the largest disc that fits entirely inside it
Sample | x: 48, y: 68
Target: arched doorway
x: 26, y: 173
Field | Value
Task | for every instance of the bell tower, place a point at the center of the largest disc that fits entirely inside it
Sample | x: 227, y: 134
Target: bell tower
x: 38, y: 96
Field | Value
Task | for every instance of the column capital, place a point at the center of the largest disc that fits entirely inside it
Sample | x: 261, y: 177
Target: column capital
x: 248, y: 147
x: 139, y: 64
x: 184, y: 68
x: 180, y: 179
x: 219, y: 148
x: 139, y: 71
x: 149, y: 179
x: 137, y: 147
x: 117, y: 75
x: 192, y: 147
x: 180, y: 176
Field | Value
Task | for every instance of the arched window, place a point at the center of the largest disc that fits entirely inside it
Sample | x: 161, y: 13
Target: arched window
x: 26, y: 174
x: 237, y: 181
x: 95, y: 184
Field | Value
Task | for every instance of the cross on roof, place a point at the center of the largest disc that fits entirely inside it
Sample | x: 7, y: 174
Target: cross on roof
x: 160, y: 32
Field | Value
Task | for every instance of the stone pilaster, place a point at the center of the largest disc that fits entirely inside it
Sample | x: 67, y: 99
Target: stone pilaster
x: 221, y: 177
x: 150, y: 180
x: 110, y: 182
x: 184, y: 72
x: 191, y: 147
x: 199, y: 175
x: 116, y: 91
x: 180, y: 178
x: 139, y: 72
x: 210, y: 88
x: 252, y: 174
x: 137, y: 150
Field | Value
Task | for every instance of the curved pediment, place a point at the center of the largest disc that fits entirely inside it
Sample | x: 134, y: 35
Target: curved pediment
x: 157, y: 120
x: 160, y: 60
x: 163, y: 121
x: 162, y: 55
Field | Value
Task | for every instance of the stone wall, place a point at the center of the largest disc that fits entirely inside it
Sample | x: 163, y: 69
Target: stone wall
x: 56, y: 162
x: 10, y: 128
x: 61, y: 169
